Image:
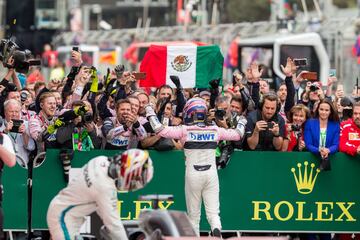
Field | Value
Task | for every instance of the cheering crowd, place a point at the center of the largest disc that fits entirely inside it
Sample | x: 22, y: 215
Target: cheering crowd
x: 86, y: 111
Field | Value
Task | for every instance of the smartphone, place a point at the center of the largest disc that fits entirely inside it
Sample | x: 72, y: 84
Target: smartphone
x: 311, y: 76
x: 139, y: 75
x: 34, y: 62
x: 16, y: 125
x: 75, y: 49
x: 301, y: 62
x: 332, y: 72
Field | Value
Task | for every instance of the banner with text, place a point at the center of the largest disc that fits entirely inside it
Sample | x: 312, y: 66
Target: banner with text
x: 259, y: 191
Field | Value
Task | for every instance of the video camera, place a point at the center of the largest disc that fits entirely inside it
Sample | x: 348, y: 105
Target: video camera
x: 22, y: 59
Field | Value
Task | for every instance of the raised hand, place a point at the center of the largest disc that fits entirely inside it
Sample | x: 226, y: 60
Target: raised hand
x: 176, y: 81
x: 214, y: 84
x: 290, y: 67
x: 255, y: 72
x: 76, y: 57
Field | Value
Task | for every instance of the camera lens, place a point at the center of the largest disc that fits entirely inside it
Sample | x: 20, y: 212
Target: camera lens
x: 220, y: 113
x: 23, y: 96
x: 313, y: 88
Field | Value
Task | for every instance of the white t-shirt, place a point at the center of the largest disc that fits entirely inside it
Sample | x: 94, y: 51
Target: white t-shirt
x: 8, y: 144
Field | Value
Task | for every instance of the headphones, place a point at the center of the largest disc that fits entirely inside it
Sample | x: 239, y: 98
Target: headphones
x: 271, y: 96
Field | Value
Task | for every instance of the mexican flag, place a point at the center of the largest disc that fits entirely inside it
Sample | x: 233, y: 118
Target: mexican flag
x: 194, y: 65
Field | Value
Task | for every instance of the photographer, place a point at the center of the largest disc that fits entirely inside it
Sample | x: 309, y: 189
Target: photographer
x: 314, y: 93
x: 222, y: 113
x: 294, y: 130
x: 265, y: 128
x: 78, y: 132
x: 312, y: 96
x: 11, y: 74
x: 26, y: 104
x: 233, y: 117
x: 123, y: 128
x: 42, y: 125
x: 8, y: 90
x: 18, y: 131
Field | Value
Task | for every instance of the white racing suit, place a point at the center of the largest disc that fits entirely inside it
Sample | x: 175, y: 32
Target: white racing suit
x: 91, y: 190
x: 201, y: 178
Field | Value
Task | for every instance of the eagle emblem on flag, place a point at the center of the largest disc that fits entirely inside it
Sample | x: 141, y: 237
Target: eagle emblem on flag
x: 181, y: 63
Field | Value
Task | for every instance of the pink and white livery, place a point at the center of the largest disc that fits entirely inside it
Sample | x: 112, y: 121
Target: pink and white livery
x: 200, y: 142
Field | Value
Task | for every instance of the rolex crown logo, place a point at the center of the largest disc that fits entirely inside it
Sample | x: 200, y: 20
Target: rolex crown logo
x: 304, y: 180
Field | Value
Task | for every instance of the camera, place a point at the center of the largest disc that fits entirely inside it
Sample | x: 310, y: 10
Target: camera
x: 295, y: 128
x: 270, y: 125
x: 313, y: 87
x: 220, y: 114
x: 16, y: 125
x: 23, y: 96
x: 22, y: 59
x: 226, y: 150
x: 87, y: 117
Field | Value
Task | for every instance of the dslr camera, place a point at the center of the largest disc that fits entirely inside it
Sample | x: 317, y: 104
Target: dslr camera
x: 270, y: 125
x: 220, y: 114
x: 22, y: 58
x: 295, y: 128
x: 87, y: 117
x: 314, y: 87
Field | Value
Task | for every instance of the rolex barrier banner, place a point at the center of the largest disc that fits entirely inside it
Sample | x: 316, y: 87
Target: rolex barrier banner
x: 15, y: 197
x: 259, y: 191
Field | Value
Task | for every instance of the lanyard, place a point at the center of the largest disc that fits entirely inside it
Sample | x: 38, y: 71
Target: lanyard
x: 322, y: 138
x: 76, y: 139
x: 81, y: 140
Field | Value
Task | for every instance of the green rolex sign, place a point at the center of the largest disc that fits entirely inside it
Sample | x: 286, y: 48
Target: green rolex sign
x: 259, y: 191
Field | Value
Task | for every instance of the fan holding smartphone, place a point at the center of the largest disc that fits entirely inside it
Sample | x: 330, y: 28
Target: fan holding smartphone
x: 76, y: 56
x: 13, y: 121
x: 16, y: 129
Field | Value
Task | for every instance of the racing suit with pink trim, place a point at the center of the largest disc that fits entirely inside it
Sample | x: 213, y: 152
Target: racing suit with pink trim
x: 118, y: 136
x: 201, y: 178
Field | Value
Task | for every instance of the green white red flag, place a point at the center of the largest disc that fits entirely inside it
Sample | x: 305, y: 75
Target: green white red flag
x: 194, y: 65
